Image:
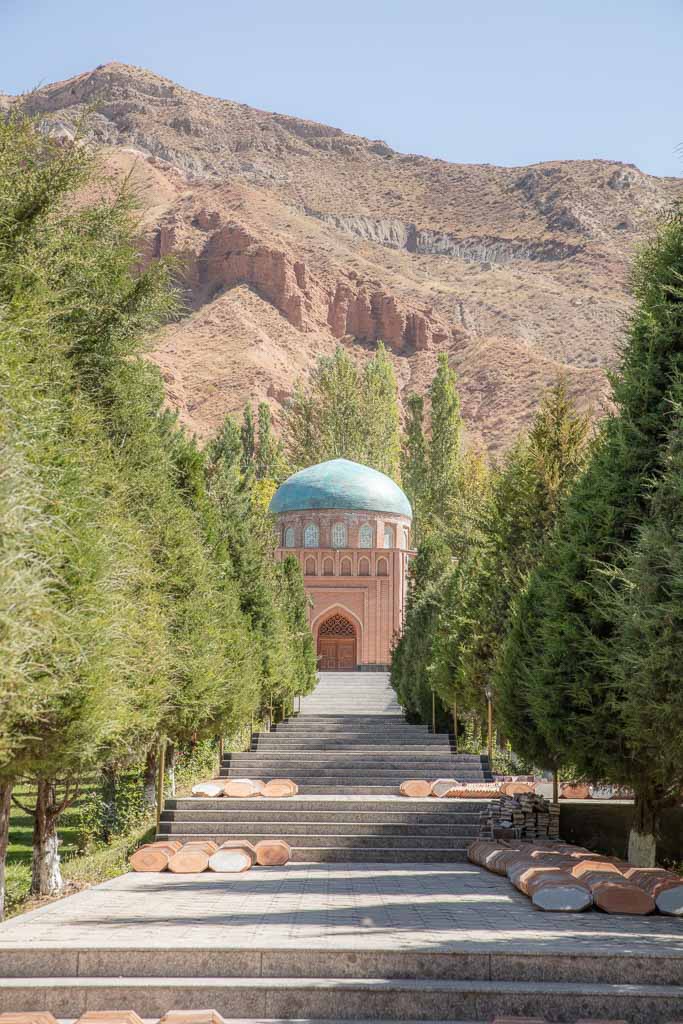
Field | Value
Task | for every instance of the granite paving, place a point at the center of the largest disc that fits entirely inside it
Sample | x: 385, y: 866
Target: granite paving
x: 397, y: 907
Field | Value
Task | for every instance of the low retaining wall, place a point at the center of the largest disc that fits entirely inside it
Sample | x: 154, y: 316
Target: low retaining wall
x: 604, y: 825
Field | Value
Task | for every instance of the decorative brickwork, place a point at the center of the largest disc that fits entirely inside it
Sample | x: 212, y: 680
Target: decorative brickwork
x: 362, y: 583
x: 336, y: 625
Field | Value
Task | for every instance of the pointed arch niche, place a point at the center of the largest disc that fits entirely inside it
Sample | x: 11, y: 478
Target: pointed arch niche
x: 337, y: 641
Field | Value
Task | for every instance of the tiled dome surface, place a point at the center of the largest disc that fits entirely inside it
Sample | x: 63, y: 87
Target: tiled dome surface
x: 340, y: 484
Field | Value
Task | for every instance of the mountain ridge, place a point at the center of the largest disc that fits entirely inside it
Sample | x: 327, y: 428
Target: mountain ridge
x: 297, y: 236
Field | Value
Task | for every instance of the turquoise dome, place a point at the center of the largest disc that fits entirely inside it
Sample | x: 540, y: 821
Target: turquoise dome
x: 340, y: 483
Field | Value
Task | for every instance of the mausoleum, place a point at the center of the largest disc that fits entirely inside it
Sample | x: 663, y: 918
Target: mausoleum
x: 349, y: 526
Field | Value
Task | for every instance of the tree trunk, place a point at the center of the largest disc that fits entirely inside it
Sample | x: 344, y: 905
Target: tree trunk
x: 5, y: 804
x: 170, y: 769
x: 149, y: 788
x: 109, y: 815
x: 642, y: 840
x: 46, y: 877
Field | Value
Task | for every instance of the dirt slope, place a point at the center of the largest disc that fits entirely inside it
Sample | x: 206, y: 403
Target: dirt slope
x: 295, y: 236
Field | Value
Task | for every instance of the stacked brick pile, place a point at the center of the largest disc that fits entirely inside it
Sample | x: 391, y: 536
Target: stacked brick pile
x: 453, y: 789
x: 523, y: 816
x: 450, y: 789
x: 561, y: 877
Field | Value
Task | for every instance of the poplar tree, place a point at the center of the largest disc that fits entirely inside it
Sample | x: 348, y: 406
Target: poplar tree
x: 380, y: 411
x: 265, y: 453
x: 414, y: 460
x: 345, y: 413
x: 444, y: 445
x: 248, y: 435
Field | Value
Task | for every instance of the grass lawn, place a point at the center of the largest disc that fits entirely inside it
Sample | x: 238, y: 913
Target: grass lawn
x: 84, y: 860
x: 78, y: 867
x: 21, y: 826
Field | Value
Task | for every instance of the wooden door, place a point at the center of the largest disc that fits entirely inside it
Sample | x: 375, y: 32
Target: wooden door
x: 337, y: 645
x: 328, y: 655
x: 346, y: 655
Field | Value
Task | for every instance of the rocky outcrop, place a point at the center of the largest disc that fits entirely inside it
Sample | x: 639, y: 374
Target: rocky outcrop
x: 427, y: 242
x: 347, y: 306
x: 293, y: 235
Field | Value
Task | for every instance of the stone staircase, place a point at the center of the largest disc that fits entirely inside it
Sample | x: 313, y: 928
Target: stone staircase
x: 330, y: 943
x: 279, y: 986
x: 348, y: 750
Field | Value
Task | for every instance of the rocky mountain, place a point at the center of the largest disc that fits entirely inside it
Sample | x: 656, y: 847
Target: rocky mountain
x: 294, y: 236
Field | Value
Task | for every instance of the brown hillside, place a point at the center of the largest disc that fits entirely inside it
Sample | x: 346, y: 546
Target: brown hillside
x: 296, y: 236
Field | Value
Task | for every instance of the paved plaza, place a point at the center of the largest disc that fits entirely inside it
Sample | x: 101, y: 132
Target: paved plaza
x: 398, y: 907
x: 378, y: 917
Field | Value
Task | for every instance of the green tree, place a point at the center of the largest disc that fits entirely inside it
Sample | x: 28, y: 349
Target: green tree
x: 501, y: 521
x: 270, y: 603
x: 125, y: 627
x: 265, y: 454
x: 382, y: 442
x: 346, y: 413
x: 248, y: 434
x: 414, y: 460
x: 269, y: 461
x: 444, y: 445
x: 411, y: 663
x: 324, y: 420
x: 305, y: 663
x: 562, y: 639
x: 73, y: 562
x: 645, y: 600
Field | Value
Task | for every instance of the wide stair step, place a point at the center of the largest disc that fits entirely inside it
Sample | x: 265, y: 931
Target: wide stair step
x: 350, y: 741
x: 334, y: 984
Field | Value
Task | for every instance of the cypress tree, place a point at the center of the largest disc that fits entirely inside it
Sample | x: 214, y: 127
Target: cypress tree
x: 125, y: 625
x: 645, y: 600
x: 411, y: 663
x: 561, y: 643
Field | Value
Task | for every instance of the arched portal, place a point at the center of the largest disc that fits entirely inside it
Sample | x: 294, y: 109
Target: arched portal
x: 337, y: 644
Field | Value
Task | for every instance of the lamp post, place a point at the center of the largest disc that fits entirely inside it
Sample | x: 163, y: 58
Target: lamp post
x: 161, y: 780
x: 489, y: 707
x: 433, y: 712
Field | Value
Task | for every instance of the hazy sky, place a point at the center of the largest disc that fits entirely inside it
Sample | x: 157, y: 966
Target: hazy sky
x: 495, y: 81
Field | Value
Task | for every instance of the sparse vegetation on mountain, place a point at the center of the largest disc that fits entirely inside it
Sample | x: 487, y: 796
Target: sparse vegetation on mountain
x: 295, y: 237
